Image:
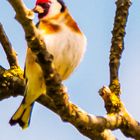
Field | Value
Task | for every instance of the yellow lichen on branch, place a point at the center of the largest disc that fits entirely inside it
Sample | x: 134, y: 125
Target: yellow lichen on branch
x: 94, y: 127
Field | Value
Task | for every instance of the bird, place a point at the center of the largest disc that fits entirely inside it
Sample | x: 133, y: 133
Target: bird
x: 64, y: 40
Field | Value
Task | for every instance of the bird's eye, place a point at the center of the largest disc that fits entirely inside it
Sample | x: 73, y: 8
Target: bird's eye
x: 46, y: 7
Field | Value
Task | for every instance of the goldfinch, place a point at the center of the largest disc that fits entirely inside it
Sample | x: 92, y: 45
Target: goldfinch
x: 64, y: 41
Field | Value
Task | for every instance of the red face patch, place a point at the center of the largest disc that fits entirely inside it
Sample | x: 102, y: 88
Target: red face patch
x: 41, y: 1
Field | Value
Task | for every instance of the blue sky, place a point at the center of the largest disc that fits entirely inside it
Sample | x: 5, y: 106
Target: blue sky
x: 95, y: 18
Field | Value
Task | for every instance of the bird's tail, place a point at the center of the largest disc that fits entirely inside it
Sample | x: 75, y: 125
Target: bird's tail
x: 22, y: 116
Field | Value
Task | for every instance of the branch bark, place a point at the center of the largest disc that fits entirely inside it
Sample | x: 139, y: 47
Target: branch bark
x: 117, y: 46
x: 67, y: 111
x: 10, y: 53
x: 124, y: 121
x: 94, y: 127
x: 129, y: 126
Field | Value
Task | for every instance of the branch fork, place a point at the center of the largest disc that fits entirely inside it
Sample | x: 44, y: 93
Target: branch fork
x: 94, y: 127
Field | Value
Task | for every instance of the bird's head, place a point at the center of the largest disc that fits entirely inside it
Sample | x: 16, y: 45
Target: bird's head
x: 49, y: 8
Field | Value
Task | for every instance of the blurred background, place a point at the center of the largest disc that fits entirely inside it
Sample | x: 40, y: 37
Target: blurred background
x: 95, y: 18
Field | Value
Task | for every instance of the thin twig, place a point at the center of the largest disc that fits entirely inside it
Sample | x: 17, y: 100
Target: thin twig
x: 10, y: 53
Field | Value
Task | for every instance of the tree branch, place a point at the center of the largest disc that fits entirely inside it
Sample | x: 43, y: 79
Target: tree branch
x: 124, y: 121
x: 10, y: 53
x: 117, y: 46
x: 12, y: 84
x: 68, y: 111
x: 127, y: 124
x: 94, y: 127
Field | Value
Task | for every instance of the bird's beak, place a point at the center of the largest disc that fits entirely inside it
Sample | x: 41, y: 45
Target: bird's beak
x: 38, y: 9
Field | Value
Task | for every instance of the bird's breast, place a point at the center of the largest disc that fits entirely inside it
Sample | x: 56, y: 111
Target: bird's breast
x: 67, y: 47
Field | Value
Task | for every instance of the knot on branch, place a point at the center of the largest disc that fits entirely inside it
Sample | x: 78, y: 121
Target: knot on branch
x: 29, y: 16
x: 112, y: 102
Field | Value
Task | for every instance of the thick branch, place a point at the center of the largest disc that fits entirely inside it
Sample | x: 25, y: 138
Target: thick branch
x: 58, y: 101
x: 10, y: 53
x: 126, y: 123
x: 9, y: 79
x: 86, y: 124
x: 118, y: 43
x: 12, y: 84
